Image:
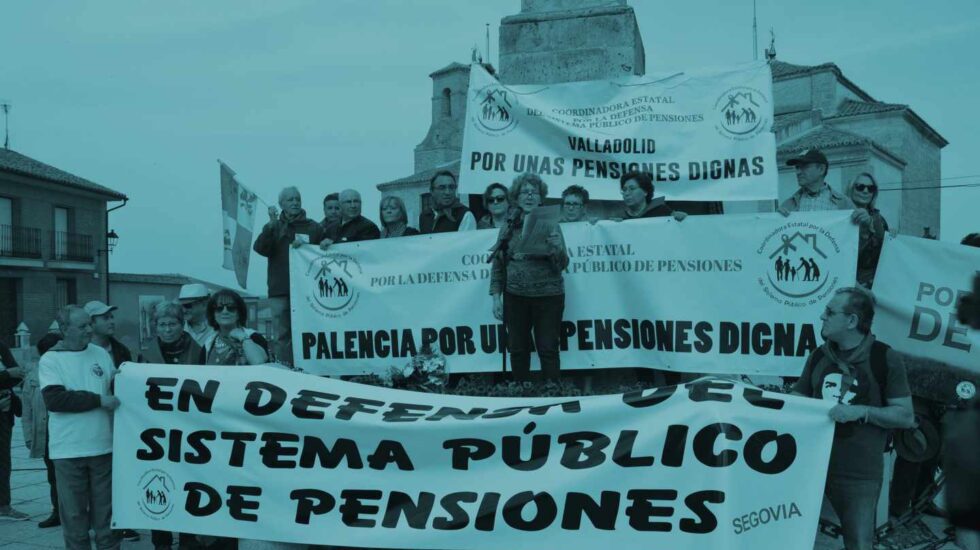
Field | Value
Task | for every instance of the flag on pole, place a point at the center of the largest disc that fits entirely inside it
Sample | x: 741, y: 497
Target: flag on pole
x: 238, y: 215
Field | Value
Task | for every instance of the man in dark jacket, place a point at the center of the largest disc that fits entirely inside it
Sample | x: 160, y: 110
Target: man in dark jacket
x: 290, y: 228
x: 353, y: 226
x: 11, y: 374
x: 447, y: 214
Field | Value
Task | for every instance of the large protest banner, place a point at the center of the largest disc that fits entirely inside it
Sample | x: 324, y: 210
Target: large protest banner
x: 917, y: 285
x: 705, y: 135
x: 264, y: 453
x: 720, y: 294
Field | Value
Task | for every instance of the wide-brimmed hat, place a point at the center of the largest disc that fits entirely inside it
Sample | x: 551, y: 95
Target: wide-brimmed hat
x: 920, y: 443
x: 193, y: 292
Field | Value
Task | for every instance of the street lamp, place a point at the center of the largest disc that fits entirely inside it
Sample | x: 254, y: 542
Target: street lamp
x: 111, y: 239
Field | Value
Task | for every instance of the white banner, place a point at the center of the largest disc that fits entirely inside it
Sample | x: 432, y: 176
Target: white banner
x: 263, y: 453
x: 917, y: 286
x: 705, y: 135
x: 719, y: 294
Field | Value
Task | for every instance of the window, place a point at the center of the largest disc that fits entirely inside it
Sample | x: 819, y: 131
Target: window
x: 6, y: 226
x: 447, y: 103
x: 65, y: 293
x: 60, y: 232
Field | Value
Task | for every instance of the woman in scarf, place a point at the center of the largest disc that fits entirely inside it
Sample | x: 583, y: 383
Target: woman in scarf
x: 638, y: 202
x: 233, y: 344
x: 172, y: 345
x: 497, y: 204
x: 394, y: 219
x: 528, y: 289
x: 863, y: 190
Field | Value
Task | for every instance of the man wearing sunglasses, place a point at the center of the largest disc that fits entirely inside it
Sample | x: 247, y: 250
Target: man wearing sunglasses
x: 194, y: 299
x: 866, y: 381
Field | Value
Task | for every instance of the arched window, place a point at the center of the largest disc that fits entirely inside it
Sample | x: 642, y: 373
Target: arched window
x: 447, y: 103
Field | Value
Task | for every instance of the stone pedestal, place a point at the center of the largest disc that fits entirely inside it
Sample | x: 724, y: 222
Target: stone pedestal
x: 570, y: 40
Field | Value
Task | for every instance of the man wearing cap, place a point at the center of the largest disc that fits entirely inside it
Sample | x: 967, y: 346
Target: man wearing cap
x: 104, y: 331
x: 194, y: 299
x: 866, y: 381
x: 814, y: 194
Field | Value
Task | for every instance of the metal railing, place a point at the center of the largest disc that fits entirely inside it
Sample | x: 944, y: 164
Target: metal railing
x: 71, y: 246
x: 20, y: 242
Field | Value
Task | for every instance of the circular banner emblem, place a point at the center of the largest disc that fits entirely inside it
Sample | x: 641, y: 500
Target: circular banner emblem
x: 797, y: 264
x: 742, y: 113
x: 332, y: 281
x: 156, y: 489
x: 495, y: 113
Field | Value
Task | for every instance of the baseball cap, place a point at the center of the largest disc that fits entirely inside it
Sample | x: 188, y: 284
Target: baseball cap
x: 96, y: 308
x: 813, y: 155
x: 193, y: 292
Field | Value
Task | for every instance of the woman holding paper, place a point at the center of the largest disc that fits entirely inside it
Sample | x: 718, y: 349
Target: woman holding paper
x: 526, y: 280
x: 863, y: 191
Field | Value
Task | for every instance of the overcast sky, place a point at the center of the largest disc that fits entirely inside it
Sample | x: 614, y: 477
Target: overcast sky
x: 143, y: 96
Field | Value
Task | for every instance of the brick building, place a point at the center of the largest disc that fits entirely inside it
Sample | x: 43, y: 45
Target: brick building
x: 53, y: 242
x: 815, y: 106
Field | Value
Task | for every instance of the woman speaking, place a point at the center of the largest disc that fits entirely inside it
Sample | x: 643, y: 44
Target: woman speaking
x: 527, y: 288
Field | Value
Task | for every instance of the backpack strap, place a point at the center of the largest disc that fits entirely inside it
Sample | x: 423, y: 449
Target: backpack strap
x: 879, y: 366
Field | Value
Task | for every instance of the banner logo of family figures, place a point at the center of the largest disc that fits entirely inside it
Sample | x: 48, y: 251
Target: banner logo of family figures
x: 741, y: 113
x: 156, y: 488
x: 797, y: 265
x: 333, y: 292
x: 495, y: 115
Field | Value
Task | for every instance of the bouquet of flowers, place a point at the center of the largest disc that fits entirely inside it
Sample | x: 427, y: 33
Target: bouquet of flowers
x: 426, y: 372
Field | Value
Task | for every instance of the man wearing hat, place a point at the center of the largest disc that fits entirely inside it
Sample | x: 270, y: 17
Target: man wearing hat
x: 194, y: 299
x: 866, y: 380
x: 104, y: 332
x: 814, y: 194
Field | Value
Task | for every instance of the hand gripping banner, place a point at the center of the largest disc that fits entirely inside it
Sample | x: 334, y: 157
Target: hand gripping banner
x: 264, y: 453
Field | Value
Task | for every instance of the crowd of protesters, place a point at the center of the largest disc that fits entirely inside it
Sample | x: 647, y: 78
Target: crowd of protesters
x: 67, y: 403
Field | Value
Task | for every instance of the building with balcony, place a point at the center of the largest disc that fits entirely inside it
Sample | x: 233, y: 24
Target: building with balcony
x: 53, y: 242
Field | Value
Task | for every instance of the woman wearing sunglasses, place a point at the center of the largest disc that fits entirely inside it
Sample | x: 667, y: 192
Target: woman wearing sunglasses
x: 497, y: 203
x: 233, y: 343
x: 863, y: 190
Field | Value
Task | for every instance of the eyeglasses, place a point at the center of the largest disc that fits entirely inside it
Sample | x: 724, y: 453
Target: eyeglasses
x: 451, y: 187
x: 827, y: 312
x: 188, y: 305
x: 572, y: 205
x: 529, y: 192
x: 226, y: 307
x: 497, y: 199
x: 865, y: 187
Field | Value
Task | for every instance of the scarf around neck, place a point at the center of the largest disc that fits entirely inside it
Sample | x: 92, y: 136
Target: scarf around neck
x: 847, y: 361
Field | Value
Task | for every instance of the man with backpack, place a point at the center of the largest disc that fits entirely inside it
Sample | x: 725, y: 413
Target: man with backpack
x: 867, y: 381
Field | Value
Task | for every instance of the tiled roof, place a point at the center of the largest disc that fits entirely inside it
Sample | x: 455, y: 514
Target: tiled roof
x: 423, y: 176
x: 827, y: 137
x: 853, y: 108
x: 168, y: 279
x: 11, y: 161
x: 782, y: 69
x: 454, y: 66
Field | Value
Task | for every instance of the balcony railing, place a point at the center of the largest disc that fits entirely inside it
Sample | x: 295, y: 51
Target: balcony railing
x: 20, y: 242
x: 71, y: 246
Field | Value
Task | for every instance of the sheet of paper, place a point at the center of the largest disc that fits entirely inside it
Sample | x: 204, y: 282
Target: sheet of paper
x: 538, y: 225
